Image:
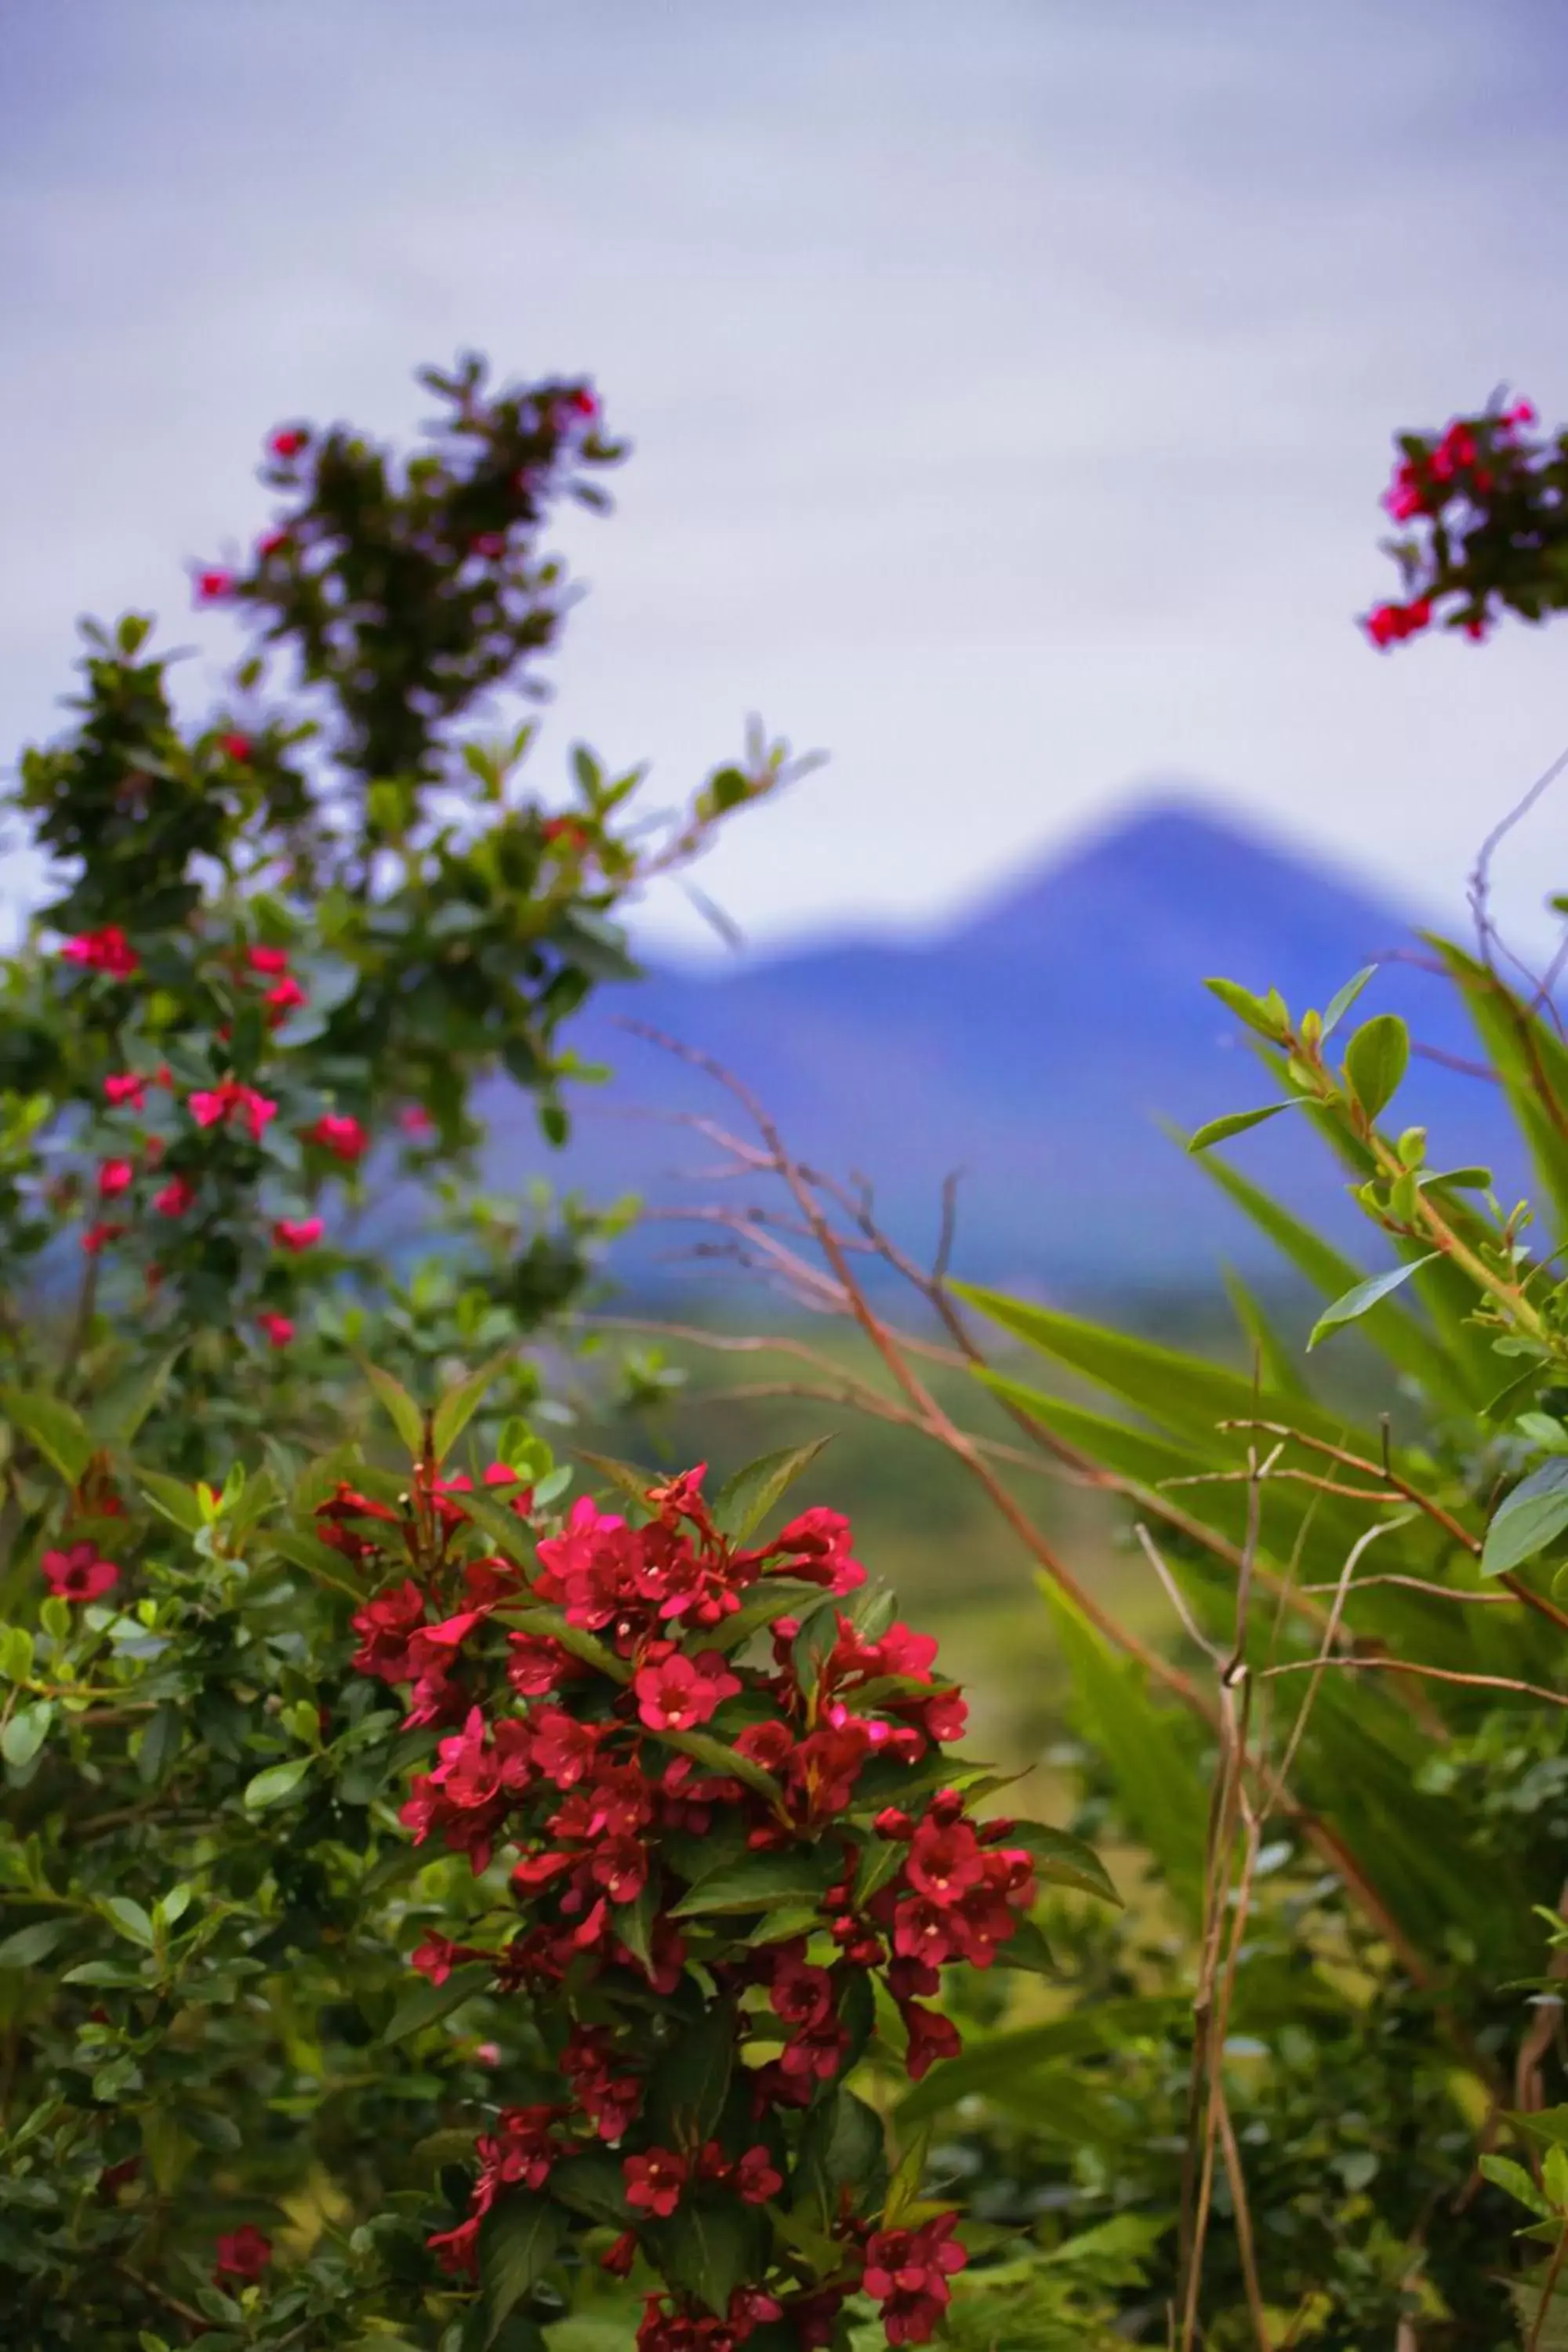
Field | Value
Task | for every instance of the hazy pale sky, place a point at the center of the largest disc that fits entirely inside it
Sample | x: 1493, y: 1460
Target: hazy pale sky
x: 1012, y: 380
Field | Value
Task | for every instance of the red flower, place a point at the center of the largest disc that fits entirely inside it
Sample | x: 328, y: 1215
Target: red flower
x: 272, y: 961
x: 298, y: 1233
x: 213, y: 586
x: 107, y: 949
x: 79, y: 1574
x: 931, y: 2036
x: 115, y: 1176
x: 97, y: 1238
x: 620, y: 2257
x: 278, y: 1329
x: 125, y: 1087
x: 177, y: 1195
x: 272, y: 542
x: 284, y: 997
x: 583, y: 402
x: 1386, y: 624
x: 654, y: 2181
x: 755, y: 2177
x: 244, y: 2254
x: 235, y: 747
x: 415, y: 1120
x: 907, y: 2273
x: 343, y: 1136
x: 289, y: 442
x: 682, y: 1692
x: 438, y: 1956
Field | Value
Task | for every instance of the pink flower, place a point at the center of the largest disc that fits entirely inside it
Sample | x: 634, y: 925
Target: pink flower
x: 438, y: 1956
x: 415, y: 1120
x: 107, y: 949
x: 177, y: 1195
x: 214, y: 585
x: 125, y: 1087
x: 79, y: 1574
x: 272, y: 961
x: 208, y: 1105
x: 97, y: 1238
x: 278, y: 1328
x: 343, y: 1136
x: 298, y: 1233
x: 682, y: 1692
x: 235, y: 747
x: 115, y: 1176
x: 244, y: 2254
x: 287, y: 442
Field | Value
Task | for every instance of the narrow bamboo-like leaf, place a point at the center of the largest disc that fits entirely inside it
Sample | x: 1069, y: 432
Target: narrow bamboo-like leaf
x: 56, y: 1428
x: 745, y: 1500
x: 1340, y: 1004
x: 399, y: 1407
x: 1236, y: 1122
x: 1108, y: 2025
x: 1280, y: 1369
x: 1532, y: 1516
x: 1355, y: 1303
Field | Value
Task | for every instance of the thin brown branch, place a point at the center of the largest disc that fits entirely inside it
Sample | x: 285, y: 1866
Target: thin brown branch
x: 1426, y: 1673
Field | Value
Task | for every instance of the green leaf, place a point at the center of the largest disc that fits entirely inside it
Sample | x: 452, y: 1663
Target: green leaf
x: 1503, y: 2173
x: 172, y: 1498
x: 278, y: 1782
x: 25, y: 1733
x: 1267, y: 1015
x: 55, y: 1428
x: 763, y: 1881
x: 159, y: 1743
x: 689, y: 2080
x: 400, y: 1408
x: 625, y: 1476
x: 1062, y: 1860
x: 710, y: 2249
x: 1375, y: 1061
x: 30, y: 1944
x: 744, y: 1501
x: 1340, y: 1004
x: 843, y: 2147
x: 1236, y: 1122
x: 1527, y: 1520
x: 704, y: 1750
x: 459, y: 1406
x: 543, y: 1617
x: 1355, y: 1303
x: 130, y: 1919
x: 1027, y: 1948
x: 427, y: 2001
x: 517, y: 2245
x: 593, y: 2184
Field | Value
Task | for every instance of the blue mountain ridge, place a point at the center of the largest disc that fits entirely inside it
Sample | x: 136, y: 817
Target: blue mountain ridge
x: 1037, y: 1044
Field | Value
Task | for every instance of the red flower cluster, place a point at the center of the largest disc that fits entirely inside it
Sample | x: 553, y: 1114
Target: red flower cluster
x: 106, y: 950
x: 1476, y: 461
x: 243, y: 2255
x: 674, y: 1737
x: 343, y: 1136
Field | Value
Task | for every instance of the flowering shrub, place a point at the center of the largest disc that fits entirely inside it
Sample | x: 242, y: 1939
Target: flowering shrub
x: 1488, y: 499
x: 736, y: 1851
